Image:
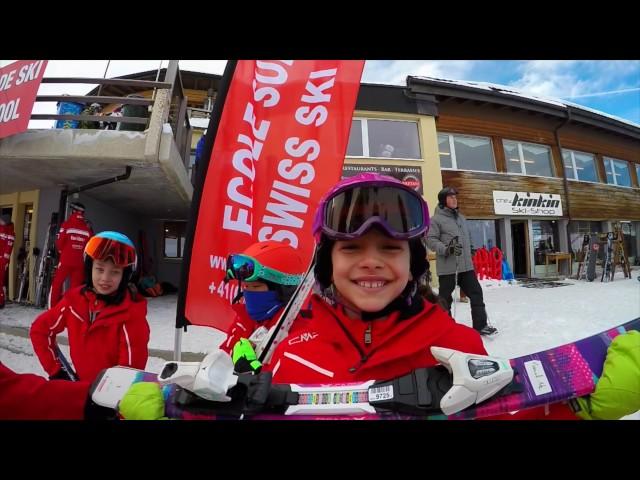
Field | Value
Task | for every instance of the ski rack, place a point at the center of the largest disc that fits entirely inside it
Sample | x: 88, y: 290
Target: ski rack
x: 47, y: 263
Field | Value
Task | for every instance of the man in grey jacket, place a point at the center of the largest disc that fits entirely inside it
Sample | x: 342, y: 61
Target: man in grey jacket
x: 449, y: 237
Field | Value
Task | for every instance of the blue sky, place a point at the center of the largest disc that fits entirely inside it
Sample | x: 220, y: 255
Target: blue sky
x: 611, y: 86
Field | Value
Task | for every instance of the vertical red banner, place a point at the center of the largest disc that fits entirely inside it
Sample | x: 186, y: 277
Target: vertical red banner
x: 19, y: 82
x: 280, y: 145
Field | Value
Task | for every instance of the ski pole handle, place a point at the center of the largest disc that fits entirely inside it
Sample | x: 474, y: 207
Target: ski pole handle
x: 66, y: 366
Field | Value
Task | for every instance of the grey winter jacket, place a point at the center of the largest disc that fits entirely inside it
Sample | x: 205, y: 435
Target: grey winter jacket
x: 445, y: 224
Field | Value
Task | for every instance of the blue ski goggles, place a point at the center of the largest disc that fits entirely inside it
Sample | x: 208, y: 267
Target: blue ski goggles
x: 247, y: 269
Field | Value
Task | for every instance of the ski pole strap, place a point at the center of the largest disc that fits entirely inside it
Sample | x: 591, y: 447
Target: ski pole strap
x: 252, y: 395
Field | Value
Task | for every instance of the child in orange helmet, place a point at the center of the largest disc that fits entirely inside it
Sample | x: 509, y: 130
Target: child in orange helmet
x: 268, y: 274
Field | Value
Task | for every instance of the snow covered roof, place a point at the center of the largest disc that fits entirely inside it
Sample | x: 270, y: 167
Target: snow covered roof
x: 497, y: 91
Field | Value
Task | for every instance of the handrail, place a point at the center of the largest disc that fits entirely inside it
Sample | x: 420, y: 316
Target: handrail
x: 108, y: 81
x: 90, y: 118
x: 178, y: 115
x: 94, y: 99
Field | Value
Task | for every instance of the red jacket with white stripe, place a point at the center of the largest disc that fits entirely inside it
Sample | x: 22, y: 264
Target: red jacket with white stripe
x: 330, y: 347
x: 100, y: 335
x: 7, y: 237
x: 72, y: 237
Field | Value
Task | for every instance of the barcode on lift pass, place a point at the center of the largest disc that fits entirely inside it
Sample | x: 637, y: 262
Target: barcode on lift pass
x: 377, y: 394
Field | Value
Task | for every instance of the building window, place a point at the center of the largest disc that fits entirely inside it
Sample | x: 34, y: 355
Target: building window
x: 174, y: 239
x: 545, y: 239
x: 373, y: 138
x: 528, y: 158
x: 465, y: 152
x: 579, y: 166
x: 484, y: 233
x: 629, y: 231
x: 638, y: 173
x: 577, y: 230
x: 617, y: 172
x: 355, y: 146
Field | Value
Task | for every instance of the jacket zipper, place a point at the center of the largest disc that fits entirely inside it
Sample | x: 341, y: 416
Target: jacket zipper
x: 367, y: 340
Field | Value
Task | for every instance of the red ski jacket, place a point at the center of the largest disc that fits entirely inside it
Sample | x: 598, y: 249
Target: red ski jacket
x: 100, y: 335
x: 243, y: 326
x: 72, y: 237
x: 30, y: 397
x: 330, y: 347
x: 7, y: 237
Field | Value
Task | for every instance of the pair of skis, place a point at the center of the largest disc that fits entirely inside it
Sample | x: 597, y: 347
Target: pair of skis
x: 550, y: 376
x: 47, y: 263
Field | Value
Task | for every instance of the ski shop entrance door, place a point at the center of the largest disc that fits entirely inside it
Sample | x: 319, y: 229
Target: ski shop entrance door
x: 520, y: 242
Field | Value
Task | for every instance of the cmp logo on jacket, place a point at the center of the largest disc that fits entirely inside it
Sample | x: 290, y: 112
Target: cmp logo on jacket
x: 303, y: 337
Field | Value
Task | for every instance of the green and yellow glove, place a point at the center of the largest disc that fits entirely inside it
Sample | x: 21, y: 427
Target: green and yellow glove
x: 244, y: 357
x: 617, y: 392
x: 143, y: 401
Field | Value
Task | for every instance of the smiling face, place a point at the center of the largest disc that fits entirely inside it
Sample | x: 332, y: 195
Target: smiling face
x: 371, y: 271
x: 106, y: 276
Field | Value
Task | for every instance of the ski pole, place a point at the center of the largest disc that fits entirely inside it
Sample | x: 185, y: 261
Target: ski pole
x: 280, y: 330
x: 66, y: 366
x: 455, y: 284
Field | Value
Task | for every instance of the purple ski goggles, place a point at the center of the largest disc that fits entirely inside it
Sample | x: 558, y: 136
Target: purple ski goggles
x: 349, y: 212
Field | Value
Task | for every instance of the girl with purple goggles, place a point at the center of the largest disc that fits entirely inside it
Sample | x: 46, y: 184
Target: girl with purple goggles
x: 349, y: 210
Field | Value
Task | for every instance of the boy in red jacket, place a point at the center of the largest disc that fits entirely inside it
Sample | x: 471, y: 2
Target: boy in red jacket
x: 105, y: 319
x: 268, y: 274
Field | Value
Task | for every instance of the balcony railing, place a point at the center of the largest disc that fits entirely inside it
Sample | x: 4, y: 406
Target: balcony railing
x: 168, y: 102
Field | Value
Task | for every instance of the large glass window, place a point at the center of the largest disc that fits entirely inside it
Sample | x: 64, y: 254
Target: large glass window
x: 629, y: 232
x: 354, y: 148
x: 638, y: 173
x: 579, y: 166
x: 174, y: 239
x: 484, y: 233
x: 374, y: 138
x: 528, y: 158
x: 577, y: 230
x: 465, y: 152
x: 444, y: 150
x: 617, y: 172
x: 545, y: 239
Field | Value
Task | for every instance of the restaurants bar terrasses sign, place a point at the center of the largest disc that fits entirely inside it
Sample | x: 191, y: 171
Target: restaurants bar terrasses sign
x: 527, y: 203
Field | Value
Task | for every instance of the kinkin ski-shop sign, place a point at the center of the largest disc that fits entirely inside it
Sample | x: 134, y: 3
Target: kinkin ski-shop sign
x: 527, y: 203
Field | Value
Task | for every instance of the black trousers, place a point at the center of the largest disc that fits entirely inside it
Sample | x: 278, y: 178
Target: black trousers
x: 469, y: 283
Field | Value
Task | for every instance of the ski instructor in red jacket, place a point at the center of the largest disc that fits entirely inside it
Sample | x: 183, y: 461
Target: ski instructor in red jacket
x: 7, y: 237
x: 105, y: 319
x: 72, y: 237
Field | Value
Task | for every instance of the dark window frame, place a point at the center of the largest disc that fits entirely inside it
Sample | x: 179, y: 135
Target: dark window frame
x: 180, y: 234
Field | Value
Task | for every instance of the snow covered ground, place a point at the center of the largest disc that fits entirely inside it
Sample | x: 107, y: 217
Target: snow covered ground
x: 529, y: 320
